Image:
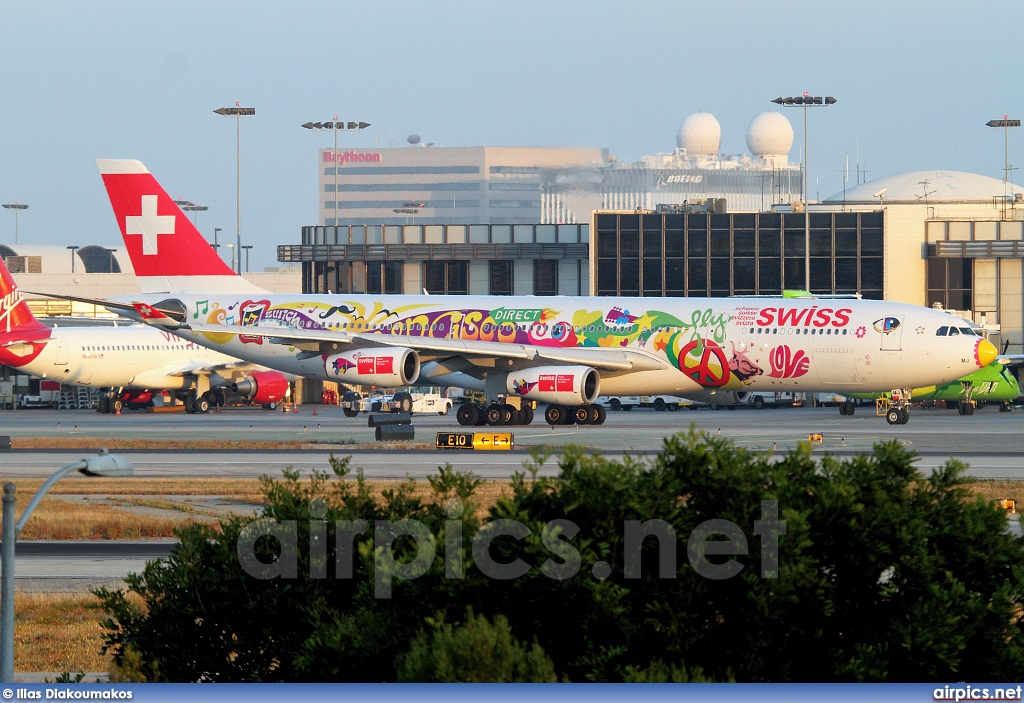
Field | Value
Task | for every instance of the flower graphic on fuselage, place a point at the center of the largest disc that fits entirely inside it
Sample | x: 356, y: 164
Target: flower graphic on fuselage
x: 861, y: 331
x: 522, y: 387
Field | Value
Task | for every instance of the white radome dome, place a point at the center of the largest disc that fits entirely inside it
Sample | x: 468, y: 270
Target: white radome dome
x: 770, y: 134
x: 700, y: 134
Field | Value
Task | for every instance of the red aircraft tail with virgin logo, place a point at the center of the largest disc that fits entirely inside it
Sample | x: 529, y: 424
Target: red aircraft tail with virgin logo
x: 22, y: 336
x: 167, y: 251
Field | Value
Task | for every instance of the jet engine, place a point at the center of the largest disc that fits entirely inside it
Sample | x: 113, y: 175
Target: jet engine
x: 721, y: 398
x: 387, y: 366
x: 561, y: 385
x: 262, y: 387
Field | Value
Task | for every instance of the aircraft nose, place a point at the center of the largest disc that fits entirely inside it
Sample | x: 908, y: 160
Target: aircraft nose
x: 985, y: 353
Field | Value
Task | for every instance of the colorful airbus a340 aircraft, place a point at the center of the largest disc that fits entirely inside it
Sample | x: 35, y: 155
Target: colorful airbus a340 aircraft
x: 131, y: 361
x: 563, y: 351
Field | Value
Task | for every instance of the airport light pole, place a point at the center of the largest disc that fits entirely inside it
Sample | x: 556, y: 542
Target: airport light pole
x: 232, y: 248
x: 334, y: 127
x: 103, y: 464
x: 247, y: 247
x: 73, y: 249
x: 238, y: 113
x: 189, y: 206
x: 1005, y: 124
x: 806, y: 101
x: 17, y: 207
x: 215, y: 245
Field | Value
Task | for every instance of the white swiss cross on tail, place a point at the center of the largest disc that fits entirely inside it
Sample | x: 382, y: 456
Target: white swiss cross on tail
x: 149, y: 225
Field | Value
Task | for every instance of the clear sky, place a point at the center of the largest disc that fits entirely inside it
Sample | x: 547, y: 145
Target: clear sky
x: 916, y: 82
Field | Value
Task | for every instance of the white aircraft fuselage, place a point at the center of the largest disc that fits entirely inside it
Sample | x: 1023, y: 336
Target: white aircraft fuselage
x: 638, y: 345
x: 132, y: 356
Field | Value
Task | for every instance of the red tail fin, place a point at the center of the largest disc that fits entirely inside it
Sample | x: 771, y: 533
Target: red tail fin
x: 162, y: 242
x: 15, y: 317
x: 160, y: 238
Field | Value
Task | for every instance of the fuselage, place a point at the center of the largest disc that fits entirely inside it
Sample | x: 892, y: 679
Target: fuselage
x: 729, y: 344
x: 130, y: 356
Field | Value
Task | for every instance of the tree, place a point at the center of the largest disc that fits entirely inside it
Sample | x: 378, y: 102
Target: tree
x: 882, y: 575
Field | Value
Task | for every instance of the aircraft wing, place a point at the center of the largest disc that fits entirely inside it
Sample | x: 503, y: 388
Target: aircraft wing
x: 1010, y: 359
x: 607, y: 359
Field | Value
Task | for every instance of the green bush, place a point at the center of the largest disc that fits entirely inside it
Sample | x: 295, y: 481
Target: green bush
x: 883, y: 575
x: 476, y: 651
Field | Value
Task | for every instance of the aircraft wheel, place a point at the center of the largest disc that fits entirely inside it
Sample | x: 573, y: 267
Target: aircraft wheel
x: 189, y: 407
x: 103, y: 405
x: 968, y: 409
x: 495, y: 415
x: 1005, y: 408
x: 555, y: 414
x: 510, y: 415
x: 842, y: 408
x: 659, y: 404
x: 592, y: 414
x: 270, y: 406
x: 467, y: 415
x: 580, y: 415
x: 894, y: 417
x: 526, y: 413
x: 201, y: 405
x: 615, y: 404
x: 602, y: 414
x: 851, y: 407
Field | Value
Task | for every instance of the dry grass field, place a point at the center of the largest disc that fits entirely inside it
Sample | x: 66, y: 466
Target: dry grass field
x: 58, y: 632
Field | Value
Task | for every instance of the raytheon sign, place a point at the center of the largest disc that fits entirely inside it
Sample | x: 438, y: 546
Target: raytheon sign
x: 345, y: 157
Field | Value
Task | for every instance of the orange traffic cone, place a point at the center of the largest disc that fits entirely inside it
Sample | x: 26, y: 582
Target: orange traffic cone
x: 314, y: 411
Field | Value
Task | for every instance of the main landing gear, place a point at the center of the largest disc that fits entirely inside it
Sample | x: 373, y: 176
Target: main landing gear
x: 200, y: 404
x: 495, y: 415
x: 578, y: 415
x: 847, y: 407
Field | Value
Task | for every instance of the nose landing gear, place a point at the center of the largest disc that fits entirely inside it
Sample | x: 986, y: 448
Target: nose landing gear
x: 896, y: 407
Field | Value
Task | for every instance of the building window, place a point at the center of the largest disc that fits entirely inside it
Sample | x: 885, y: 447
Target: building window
x: 951, y: 283
x: 500, y: 278
x: 458, y: 277
x: 700, y: 254
x: 384, y: 277
x: 446, y: 277
x: 545, y: 277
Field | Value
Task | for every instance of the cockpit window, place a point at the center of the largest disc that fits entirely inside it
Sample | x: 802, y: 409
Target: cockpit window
x: 942, y: 332
x: 953, y: 332
x: 968, y: 331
